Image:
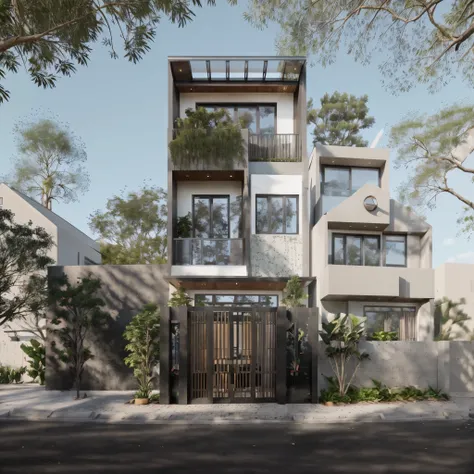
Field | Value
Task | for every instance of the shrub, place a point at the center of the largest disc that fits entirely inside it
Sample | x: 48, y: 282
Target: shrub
x: 37, y: 362
x: 10, y: 375
x: 384, y: 336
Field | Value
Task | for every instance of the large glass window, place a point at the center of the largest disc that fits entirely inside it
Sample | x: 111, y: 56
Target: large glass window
x: 395, y: 250
x: 337, y: 182
x: 236, y: 300
x: 259, y: 119
x: 399, y: 319
x: 276, y: 214
x: 355, y: 250
x: 211, y: 216
x: 361, y: 176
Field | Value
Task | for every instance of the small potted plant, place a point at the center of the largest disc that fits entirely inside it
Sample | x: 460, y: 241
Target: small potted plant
x: 142, y: 397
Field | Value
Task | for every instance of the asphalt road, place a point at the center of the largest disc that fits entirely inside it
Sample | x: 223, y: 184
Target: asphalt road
x: 48, y: 447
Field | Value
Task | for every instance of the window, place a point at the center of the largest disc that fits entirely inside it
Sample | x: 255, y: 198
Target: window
x: 395, y: 251
x: 276, y: 214
x: 338, y: 181
x: 211, y: 217
x: 259, y: 119
x: 399, y: 319
x: 236, y: 300
x: 355, y: 250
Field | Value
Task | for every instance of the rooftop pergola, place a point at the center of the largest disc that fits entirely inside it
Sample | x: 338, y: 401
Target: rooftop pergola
x: 199, y: 70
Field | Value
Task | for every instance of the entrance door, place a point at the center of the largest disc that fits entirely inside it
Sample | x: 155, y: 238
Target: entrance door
x: 233, y: 354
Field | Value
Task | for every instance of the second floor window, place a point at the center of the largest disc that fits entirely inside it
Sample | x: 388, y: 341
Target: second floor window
x: 276, y: 214
x: 339, y: 181
x: 211, y: 217
x: 366, y: 250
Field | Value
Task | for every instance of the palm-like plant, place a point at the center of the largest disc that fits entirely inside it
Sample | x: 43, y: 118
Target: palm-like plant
x: 342, y: 336
x: 449, y: 317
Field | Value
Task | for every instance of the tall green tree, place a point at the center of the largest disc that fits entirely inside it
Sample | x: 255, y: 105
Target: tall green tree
x: 23, y: 259
x: 133, y: 229
x: 77, y: 312
x: 425, y: 41
x: 434, y: 149
x: 340, y: 119
x: 50, y: 162
x: 51, y: 37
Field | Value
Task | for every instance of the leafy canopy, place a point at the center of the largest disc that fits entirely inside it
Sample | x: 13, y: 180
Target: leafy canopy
x: 133, y: 228
x: 426, y: 41
x: 143, y: 336
x: 24, y: 257
x: 434, y: 148
x: 50, y: 162
x: 51, y: 37
x: 340, y: 119
x: 180, y: 298
x: 207, y: 138
x: 77, y: 312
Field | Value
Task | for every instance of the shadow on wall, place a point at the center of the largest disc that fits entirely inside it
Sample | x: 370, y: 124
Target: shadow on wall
x: 125, y: 290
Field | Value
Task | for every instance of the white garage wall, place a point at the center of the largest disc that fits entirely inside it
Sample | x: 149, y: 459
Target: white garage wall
x: 285, y: 119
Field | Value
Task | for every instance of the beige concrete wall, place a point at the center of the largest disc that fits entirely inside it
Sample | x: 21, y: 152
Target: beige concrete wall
x: 456, y: 281
x: 448, y: 366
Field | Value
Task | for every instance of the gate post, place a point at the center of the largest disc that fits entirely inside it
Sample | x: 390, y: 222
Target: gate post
x: 280, y: 362
x: 165, y: 353
x: 313, y: 337
x: 183, y: 354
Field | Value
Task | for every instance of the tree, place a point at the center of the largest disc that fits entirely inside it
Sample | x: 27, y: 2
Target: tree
x: 180, y: 298
x: 143, y: 336
x: 428, y: 41
x: 77, y: 311
x: 294, y: 293
x: 51, y: 38
x: 23, y: 258
x: 340, y: 119
x: 133, y: 228
x: 37, y: 360
x: 448, y: 317
x: 50, y: 162
x: 434, y: 148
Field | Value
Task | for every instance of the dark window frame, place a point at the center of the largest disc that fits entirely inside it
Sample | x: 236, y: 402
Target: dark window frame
x: 256, y: 105
x: 362, y: 237
x: 235, y: 296
x: 385, y: 250
x: 413, y: 309
x: 349, y: 168
x: 211, y: 226
x: 269, y: 215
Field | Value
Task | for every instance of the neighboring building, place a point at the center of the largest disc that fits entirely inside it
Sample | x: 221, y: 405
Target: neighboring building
x: 456, y: 281
x: 370, y: 255
x: 70, y: 247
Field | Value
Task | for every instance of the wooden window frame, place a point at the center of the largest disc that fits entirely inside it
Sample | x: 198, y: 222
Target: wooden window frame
x: 269, y: 214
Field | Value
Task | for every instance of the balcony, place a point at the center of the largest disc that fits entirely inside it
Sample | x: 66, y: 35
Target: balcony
x: 276, y: 147
x: 197, y: 251
x: 347, y: 281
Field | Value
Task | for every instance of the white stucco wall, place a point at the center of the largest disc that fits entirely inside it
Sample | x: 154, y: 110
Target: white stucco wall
x: 284, y: 104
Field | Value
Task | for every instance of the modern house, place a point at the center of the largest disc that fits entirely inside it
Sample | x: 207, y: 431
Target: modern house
x: 70, y: 247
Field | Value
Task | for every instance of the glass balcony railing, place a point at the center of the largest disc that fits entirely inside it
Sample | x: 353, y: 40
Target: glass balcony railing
x: 198, y: 251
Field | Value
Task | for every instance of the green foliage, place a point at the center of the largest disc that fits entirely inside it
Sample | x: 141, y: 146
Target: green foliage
x: 154, y: 398
x: 49, y: 164
x: 450, y: 319
x: 143, y: 336
x: 77, y: 311
x: 413, y: 42
x: 379, y: 392
x: 384, y: 336
x: 342, y: 336
x: 207, y: 138
x: 294, y: 293
x: 133, y: 229
x: 52, y: 38
x: 340, y: 119
x: 37, y: 360
x: 433, y: 149
x: 184, y: 226
x: 180, y: 298
x: 10, y: 375
x: 23, y: 257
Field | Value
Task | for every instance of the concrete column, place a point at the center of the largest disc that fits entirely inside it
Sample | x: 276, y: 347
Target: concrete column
x: 425, y: 321
x: 165, y: 354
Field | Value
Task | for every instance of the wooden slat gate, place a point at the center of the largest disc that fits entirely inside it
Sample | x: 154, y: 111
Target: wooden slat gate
x: 232, y: 354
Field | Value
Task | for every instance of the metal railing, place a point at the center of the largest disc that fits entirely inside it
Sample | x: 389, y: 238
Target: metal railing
x: 278, y: 147
x: 198, y: 251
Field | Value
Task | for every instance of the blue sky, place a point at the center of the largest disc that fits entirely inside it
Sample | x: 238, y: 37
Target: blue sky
x: 120, y: 111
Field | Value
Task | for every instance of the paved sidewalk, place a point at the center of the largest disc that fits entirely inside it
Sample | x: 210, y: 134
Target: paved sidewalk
x: 32, y: 402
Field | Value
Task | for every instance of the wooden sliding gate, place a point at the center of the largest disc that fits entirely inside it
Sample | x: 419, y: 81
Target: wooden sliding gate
x: 232, y: 354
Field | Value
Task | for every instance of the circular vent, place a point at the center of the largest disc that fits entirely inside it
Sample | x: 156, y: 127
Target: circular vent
x: 370, y: 203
